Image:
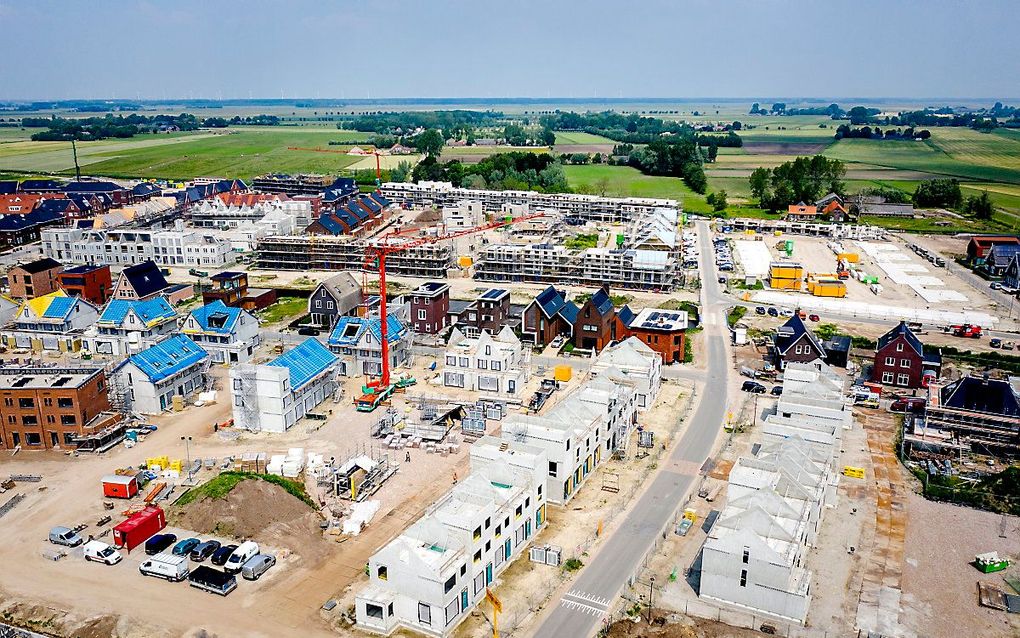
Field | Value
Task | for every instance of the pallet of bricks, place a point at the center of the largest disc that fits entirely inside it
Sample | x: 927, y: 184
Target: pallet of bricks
x: 251, y: 462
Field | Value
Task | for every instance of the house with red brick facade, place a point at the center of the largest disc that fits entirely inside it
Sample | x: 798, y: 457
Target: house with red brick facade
x: 549, y: 315
x: 34, y: 279
x: 430, y: 303
x: 903, y: 361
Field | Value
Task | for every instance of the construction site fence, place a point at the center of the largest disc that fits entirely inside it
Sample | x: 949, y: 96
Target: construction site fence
x: 971, y: 498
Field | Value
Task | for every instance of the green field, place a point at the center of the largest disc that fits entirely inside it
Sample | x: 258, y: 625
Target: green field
x: 580, y: 137
x: 236, y: 152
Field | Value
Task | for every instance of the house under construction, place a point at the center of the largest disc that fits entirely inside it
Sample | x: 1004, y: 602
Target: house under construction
x: 305, y: 252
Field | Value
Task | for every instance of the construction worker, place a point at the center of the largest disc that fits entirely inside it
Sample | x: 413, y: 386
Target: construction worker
x: 407, y: 456
x: 455, y: 478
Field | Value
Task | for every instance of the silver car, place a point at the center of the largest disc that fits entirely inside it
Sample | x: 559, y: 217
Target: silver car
x: 257, y: 565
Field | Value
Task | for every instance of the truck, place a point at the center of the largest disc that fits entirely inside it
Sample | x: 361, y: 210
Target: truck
x: 139, y: 527
x: 967, y: 330
x: 212, y: 580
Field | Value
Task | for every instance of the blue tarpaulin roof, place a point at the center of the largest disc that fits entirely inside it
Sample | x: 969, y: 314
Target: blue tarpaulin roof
x: 154, y: 309
x: 59, y: 307
x: 342, y: 335
x: 306, y: 361
x: 168, y: 357
x: 216, y: 308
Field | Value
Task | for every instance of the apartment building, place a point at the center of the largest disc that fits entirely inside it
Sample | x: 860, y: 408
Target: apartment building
x: 189, y: 247
x: 127, y: 326
x: 273, y: 397
x: 34, y: 279
x: 430, y: 578
x: 344, y: 252
x: 228, y: 334
x: 93, y: 283
x: 47, y: 408
x: 155, y: 377
x: 497, y: 365
x: 53, y: 322
x: 235, y: 210
x: 128, y: 246
x: 589, y: 207
x: 489, y: 312
x: 594, y: 420
x: 463, y: 215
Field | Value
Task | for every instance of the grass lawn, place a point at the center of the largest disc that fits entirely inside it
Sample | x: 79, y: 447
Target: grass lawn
x: 626, y: 181
x: 221, y: 485
x: 284, y: 308
x: 580, y: 137
x: 238, y: 152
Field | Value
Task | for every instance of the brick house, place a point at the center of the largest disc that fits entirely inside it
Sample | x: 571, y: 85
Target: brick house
x: 802, y: 212
x: 92, y: 283
x: 794, y: 342
x: 595, y: 325
x: 34, y: 279
x: 902, y: 360
x: 487, y: 313
x: 45, y: 408
x: 547, y: 316
x: 663, y: 331
x: 430, y: 303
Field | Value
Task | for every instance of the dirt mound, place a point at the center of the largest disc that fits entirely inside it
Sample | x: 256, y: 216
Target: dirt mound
x: 52, y: 621
x: 667, y: 625
x: 257, y: 510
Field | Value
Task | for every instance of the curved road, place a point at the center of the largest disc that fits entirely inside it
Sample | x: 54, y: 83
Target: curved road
x: 580, y: 611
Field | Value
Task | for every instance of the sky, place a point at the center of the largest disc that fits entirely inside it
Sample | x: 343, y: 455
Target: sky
x: 519, y: 48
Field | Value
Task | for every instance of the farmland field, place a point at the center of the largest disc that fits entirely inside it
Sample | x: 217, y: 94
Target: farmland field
x: 236, y: 152
x: 579, y: 137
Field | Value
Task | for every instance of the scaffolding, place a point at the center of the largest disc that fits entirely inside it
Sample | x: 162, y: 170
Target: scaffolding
x: 246, y: 401
x: 321, y: 252
x: 360, y: 474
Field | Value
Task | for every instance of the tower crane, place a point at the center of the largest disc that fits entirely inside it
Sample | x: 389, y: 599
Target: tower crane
x: 375, y: 256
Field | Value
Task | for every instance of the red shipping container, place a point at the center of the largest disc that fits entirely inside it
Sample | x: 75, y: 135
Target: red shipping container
x: 116, y: 486
x: 139, y: 527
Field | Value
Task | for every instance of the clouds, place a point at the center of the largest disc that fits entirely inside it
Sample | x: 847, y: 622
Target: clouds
x: 409, y: 48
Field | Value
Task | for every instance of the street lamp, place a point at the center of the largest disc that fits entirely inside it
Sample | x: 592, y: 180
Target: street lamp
x: 651, y: 586
x: 187, y: 447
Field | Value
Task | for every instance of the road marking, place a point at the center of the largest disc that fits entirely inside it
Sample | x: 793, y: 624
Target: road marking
x: 589, y: 598
x: 576, y: 606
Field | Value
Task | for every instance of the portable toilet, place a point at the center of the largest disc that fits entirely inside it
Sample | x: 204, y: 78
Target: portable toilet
x: 619, y: 241
x: 464, y: 261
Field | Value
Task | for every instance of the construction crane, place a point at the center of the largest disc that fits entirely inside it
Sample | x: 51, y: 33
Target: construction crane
x: 394, y: 242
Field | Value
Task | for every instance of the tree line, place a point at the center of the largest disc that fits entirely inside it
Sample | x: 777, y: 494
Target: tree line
x: 805, y: 179
x: 844, y: 131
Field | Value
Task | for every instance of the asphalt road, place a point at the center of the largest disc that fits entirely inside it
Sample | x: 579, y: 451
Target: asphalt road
x: 580, y: 611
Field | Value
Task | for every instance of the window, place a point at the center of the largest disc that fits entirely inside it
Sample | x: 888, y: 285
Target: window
x: 488, y: 522
x: 497, y: 366
x: 318, y: 303
x: 68, y: 419
x: 483, y: 364
x: 890, y: 361
x: 518, y: 511
x: 450, y: 583
x: 424, y: 614
x: 33, y: 438
x: 747, y: 555
x: 9, y: 402
x: 452, y: 610
x: 48, y: 402
x: 373, y: 610
x: 488, y: 350
x: 903, y: 379
x: 488, y: 545
x: 477, y: 558
x: 422, y: 315
x: 899, y: 347
x: 479, y: 582
x: 382, y: 573
x: 887, y: 377
x: 904, y: 363
x: 65, y: 402
x: 552, y: 469
x: 26, y: 403
x: 465, y: 362
x: 499, y: 531
x: 451, y: 361
x: 329, y: 305
x: 463, y: 569
x: 477, y: 533
x: 29, y: 419
x: 743, y: 578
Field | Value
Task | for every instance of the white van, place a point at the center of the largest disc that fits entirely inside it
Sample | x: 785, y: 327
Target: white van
x: 240, y: 556
x: 100, y: 552
x: 168, y: 566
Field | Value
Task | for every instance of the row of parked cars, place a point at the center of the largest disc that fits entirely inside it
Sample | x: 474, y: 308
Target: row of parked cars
x: 755, y: 387
x: 244, y: 558
x: 723, y: 255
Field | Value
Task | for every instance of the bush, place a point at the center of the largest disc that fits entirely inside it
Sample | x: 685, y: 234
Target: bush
x: 735, y: 314
x: 573, y: 564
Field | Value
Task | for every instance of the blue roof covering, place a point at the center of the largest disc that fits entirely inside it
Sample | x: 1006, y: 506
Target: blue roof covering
x: 626, y: 315
x: 569, y: 311
x: 550, y: 300
x: 379, y: 199
x: 92, y: 187
x: 37, y: 217
x: 331, y: 225
x: 40, y: 185
x: 154, y: 309
x: 224, y: 317
x: 305, y: 361
x: 348, y: 330
x: 347, y: 218
x: 601, y: 301
x: 370, y: 203
x: 59, y: 206
x: 357, y: 211
x: 60, y: 307
x: 8, y: 187
x: 168, y: 357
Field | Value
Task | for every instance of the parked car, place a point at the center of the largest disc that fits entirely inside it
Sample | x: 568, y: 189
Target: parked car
x: 773, y: 312
x: 1008, y: 345
x: 760, y: 310
x: 257, y: 565
x: 184, y: 547
x: 814, y: 318
x: 786, y: 312
x: 908, y: 404
x: 100, y: 552
x: 220, y: 556
x: 995, y: 343
x: 168, y: 566
x: 159, y: 543
x: 995, y: 285
x: 722, y: 280
x: 753, y: 387
x: 308, y: 331
x: 65, y: 536
x: 204, y: 551
x: 240, y: 556
x: 777, y: 390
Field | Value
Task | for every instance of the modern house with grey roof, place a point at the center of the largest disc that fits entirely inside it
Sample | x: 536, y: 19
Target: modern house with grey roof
x: 141, y: 281
x: 795, y: 342
x: 336, y: 297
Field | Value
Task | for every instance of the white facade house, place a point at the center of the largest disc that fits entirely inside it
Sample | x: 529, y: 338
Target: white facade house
x: 54, y: 322
x: 357, y: 341
x: 128, y: 246
x: 754, y: 556
x: 275, y: 396
x: 496, y: 365
x: 152, y: 377
x: 465, y: 214
x: 229, y: 335
x: 235, y: 210
x: 127, y: 326
x: 635, y: 362
x: 592, y: 421
x: 431, y: 577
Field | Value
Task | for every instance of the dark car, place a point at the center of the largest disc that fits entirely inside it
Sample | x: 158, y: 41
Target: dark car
x: 184, y: 547
x: 308, y: 332
x: 760, y: 310
x: 204, y: 551
x: 908, y: 404
x: 814, y: 318
x: 221, y: 555
x: 753, y: 387
x: 995, y: 343
x: 777, y: 390
x: 773, y: 312
x: 159, y: 543
x: 722, y: 280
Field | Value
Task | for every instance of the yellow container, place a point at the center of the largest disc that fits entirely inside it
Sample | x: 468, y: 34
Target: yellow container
x: 777, y: 233
x: 853, y: 472
x: 176, y: 465
x: 691, y: 515
x: 161, y: 461
x: 178, y: 403
x: 828, y: 288
x: 786, y: 271
x: 785, y: 284
x: 850, y: 258
x: 465, y: 261
x: 563, y: 372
